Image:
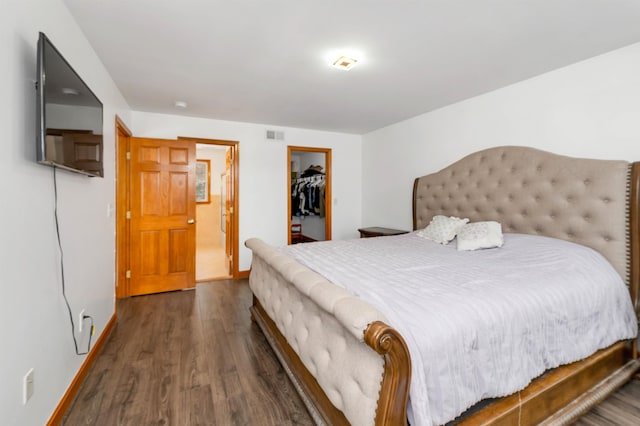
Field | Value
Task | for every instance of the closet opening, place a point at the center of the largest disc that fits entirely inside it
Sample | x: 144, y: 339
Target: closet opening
x: 309, y: 200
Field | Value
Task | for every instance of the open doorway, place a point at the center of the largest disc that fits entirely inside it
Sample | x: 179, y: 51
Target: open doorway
x: 221, y: 229
x: 128, y: 168
x: 309, y: 205
x: 212, y: 261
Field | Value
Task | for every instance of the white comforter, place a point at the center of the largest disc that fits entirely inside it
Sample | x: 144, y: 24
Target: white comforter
x: 484, y: 323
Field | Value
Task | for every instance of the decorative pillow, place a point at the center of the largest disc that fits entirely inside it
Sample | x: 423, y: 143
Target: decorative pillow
x: 442, y: 229
x: 479, y: 235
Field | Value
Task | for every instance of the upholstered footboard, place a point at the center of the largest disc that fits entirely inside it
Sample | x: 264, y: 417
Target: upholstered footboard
x: 348, y: 365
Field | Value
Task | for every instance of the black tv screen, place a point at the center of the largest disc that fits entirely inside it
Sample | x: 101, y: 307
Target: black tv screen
x: 69, y: 116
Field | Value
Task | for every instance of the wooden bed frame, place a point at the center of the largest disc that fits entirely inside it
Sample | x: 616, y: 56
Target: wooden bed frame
x: 559, y: 396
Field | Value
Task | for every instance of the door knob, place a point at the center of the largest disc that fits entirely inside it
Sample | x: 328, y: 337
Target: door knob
x: 191, y: 221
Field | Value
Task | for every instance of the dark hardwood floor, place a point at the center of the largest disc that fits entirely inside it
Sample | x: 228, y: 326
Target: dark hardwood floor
x: 196, y: 358
x: 188, y: 358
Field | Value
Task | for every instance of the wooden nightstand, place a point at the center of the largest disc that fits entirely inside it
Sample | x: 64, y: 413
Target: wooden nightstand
x: 376, y: 231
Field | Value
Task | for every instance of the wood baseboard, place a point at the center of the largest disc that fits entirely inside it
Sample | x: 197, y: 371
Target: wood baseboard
x: 61, y: 409
x: 242, y: 274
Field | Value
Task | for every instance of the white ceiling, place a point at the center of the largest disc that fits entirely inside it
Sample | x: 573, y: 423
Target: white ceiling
x: 265, y: 61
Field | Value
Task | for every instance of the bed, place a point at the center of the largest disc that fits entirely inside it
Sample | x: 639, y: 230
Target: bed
x: 351, y: 367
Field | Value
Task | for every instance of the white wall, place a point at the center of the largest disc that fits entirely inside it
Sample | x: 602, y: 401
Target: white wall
x: 589, y: 109
x: 34, y: 324
x: 263, y: 172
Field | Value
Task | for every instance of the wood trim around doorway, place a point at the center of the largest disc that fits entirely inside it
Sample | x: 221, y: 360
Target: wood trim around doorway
x: 235, y: 250
x: 327, y: 194
x: 123, y: 140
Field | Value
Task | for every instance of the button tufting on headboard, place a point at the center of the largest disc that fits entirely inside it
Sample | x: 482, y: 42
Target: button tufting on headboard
x: 534, y: 192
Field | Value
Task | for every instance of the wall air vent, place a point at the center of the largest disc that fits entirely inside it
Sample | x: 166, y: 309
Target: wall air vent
x: 275, y: 135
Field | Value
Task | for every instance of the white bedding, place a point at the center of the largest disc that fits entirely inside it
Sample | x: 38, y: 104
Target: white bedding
x: 480, y: 324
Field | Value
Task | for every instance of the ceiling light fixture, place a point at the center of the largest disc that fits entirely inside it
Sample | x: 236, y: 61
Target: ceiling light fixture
x: 69, y: 91
x: 345, y: 62
x: 180, y: 104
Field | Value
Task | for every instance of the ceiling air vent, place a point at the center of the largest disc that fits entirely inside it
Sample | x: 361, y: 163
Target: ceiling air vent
x: 275, y: 135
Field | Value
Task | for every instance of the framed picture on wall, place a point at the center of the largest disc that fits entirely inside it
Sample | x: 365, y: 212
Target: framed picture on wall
x: 203, y: 181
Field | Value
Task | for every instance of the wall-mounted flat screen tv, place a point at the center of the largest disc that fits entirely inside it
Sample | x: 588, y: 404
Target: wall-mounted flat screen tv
x: 69, y: 116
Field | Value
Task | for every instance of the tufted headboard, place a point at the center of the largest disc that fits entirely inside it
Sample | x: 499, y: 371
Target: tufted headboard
x: 536, y: 192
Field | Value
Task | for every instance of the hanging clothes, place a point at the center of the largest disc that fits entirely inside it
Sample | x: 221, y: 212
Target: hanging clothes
x: 307, y: 195
x: 322, y: 202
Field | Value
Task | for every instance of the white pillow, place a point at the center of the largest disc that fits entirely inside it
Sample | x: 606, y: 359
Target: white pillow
x: 479, y: 235
x: 442, y: 229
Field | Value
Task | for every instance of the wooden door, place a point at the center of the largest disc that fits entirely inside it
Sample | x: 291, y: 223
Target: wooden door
x: 163, y: 202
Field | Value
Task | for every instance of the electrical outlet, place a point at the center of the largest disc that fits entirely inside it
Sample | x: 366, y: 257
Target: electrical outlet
x: 27, y: 386
x: 81, y: 320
